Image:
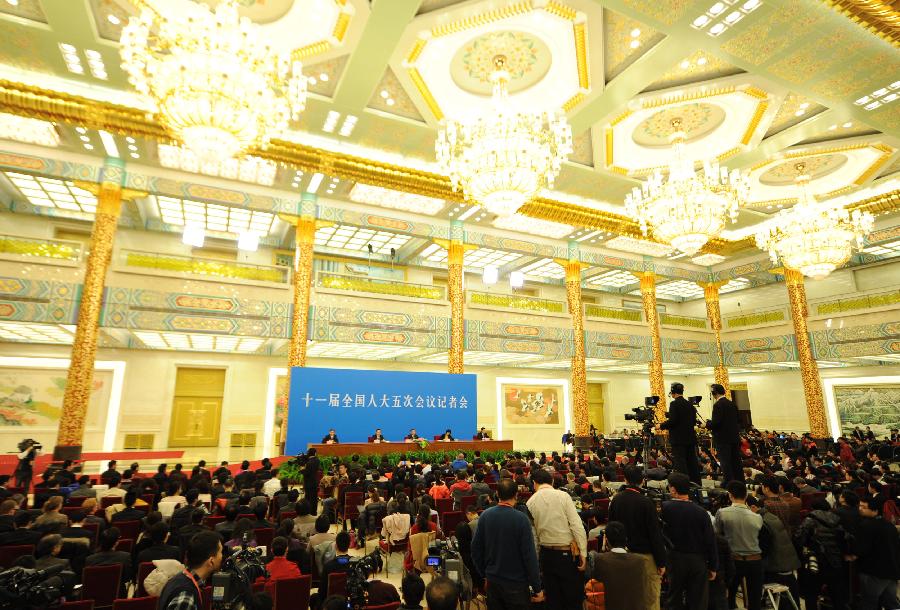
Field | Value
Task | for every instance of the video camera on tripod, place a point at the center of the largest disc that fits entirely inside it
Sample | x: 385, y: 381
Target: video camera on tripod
x: 232, y: 585
x: 358, y: 575
x: 22, y: 588
x: 646, y: 414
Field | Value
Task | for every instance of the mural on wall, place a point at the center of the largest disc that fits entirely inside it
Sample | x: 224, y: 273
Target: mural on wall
x: 33, y: 397
x: 877, y: 406
x: 281, y: 399
x: 532, y: 404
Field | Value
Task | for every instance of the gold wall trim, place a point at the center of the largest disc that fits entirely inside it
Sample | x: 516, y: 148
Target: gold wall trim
x: 467, y: 23
x: 608, y: 132
x: 877, y: 16
x: 880, y: 204
x: 561, y: 10
x: 754, y: 122
x: 425, y: 92
x: 573, y: 101
x: 416, y: 50
x: 584, y: 80
x: 886, y: 153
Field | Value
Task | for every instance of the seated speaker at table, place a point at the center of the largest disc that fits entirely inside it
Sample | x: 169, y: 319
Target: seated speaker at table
x: 378, y: 437
x: 412, y: 436
x: 330, y: 438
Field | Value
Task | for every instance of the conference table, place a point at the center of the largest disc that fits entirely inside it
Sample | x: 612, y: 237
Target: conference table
x: 345, y: 449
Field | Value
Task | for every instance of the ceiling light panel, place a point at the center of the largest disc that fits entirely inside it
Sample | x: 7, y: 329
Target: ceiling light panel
x: 638, y: 246
x: 880, y: 97
x: 30, y: 131
x: 886, y: 249
x: 679, y: 288
x: 387, y: 198
x: 738, y: 283
x: 724, y: 14
x: 534, y: 226
x: 53, y: 193
x: 347, y: 237
x: 358, y: 351
x: 27, y: 332
x: 591, y: 363
x: 195, y: 342
x: 708, y: 260
x: 612, y: 279
x: 473, y: 259
x: 246, y: 169
x: 546, y: 268
x: 483, y: 358
x: 213, y: 217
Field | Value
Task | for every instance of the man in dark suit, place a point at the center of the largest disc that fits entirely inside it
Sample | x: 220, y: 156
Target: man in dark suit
x: 311, y: 480
x: 680, y: 422
x: 726, y: 434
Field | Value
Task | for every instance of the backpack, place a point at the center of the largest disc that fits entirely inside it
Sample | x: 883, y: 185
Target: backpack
x: 828, y: 542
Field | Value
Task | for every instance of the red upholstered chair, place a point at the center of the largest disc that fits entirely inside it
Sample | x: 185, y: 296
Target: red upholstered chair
x: 401, y: 546
x: 467, y: 501
x: 68, y: 511
x: 150, y: 499
x: 76, y: 501
x: 101, y: 584
x: 602, y: 507
x: 288, y: 514
x: 388, y: 606
x: 524, y: 496
x: 437, y: 437
x: 211, y: 521
x: 124, y: 544
x: 450, y: 520
x: 128, y: 529
x: 352, y: 500
x: 370, y: 439
x: 136, y: 603
x: 290, y: 593
x: 107, y: 501
x: 443, y: 505
x: 264, y: 536
x: 143, y: 571
x: 9, y: 554
x: 337, y: 583
x: 84, y: 604
x: 94, y: 530
x: 594, y: 545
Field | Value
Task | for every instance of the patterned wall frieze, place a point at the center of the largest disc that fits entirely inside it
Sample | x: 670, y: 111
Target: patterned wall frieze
x: 867, y: 340
x: 50, y: 302
x: 133, y: 308
x: 384, y: 223
x: 778, y: 348
x: 689, y: 351
x: 552, y: 343
x: 15, y: 161
x: 618, y: 346
x: 333, y: 324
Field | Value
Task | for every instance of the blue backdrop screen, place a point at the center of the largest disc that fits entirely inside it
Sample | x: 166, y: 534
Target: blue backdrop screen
x: 355, y: 402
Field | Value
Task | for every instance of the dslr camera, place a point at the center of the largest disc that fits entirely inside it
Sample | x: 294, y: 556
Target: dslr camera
x: 29, y: 443
x: 645, y: 414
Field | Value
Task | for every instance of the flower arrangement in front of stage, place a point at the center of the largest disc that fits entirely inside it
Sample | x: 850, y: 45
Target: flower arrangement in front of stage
x: 422, y: 443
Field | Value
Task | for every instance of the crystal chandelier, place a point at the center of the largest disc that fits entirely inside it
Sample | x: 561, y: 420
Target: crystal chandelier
x: 812, y: 237
x: 689, y: 208
x: 218, y: 88
x: 504, y: 157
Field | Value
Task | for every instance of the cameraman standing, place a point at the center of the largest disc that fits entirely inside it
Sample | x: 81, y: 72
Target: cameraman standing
x: 29, y: 449
x: 680, y: 422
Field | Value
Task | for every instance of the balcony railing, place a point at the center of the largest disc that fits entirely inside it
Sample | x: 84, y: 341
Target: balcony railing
x: 46, y: 248
x: 514, y: 301
x: 868, y: 301
x: 352, y: 283
x: 757, y: 318
x: 668, y: 319
x: 205, y: 266
x: 612, y: 313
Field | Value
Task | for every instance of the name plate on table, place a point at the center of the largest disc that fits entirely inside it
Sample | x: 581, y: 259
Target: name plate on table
x: 356, y: 402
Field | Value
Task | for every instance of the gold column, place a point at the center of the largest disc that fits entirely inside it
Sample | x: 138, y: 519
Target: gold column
x: 809, y: 370
x: 305, y: 236
x: 711, y: 294
x: 84, y: 349
x: 580, y: 410
x: 456, y: 250
x: 648, y: 296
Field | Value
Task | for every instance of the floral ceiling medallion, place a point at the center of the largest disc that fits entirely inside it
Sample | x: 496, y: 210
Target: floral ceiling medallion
x: 785, y: 174
x: 697, y: 120
x: 528, y: 61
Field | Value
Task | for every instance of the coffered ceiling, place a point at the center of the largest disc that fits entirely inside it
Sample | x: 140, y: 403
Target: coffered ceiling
x: 760, y: 84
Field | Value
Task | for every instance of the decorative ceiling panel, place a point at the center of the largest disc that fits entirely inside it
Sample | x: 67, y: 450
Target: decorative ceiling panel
x: 666, y: 11
x: 698, y: 66
x: 391, y: 97
x: 325, y: 75
x: 110, y: 17
x: 582, y: 149
x: 26, y: 9
x: 794, y: 109
x: 624, y: 40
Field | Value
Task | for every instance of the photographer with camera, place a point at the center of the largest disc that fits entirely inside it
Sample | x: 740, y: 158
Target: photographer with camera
x: 680, y: 422
x: 726, y: 434
x: 204, y: 557
x: 29, y: 449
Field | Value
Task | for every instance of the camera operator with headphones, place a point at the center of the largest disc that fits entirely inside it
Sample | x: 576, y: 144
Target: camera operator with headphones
x: 680, y: 422
x: 29, y: 449
x: 726, y: 433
